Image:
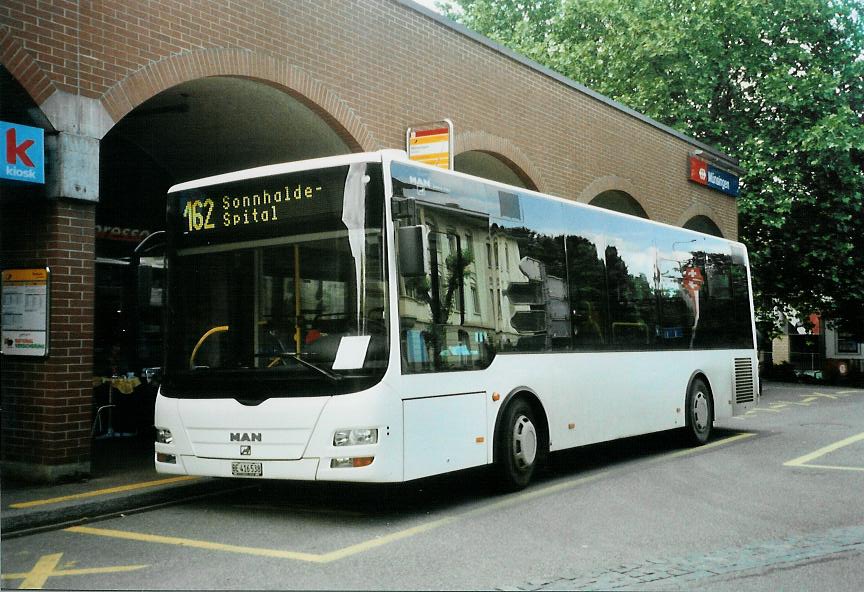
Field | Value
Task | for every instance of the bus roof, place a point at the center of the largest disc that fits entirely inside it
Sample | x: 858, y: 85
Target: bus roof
x: 290, y: 167
x: 400, y: 155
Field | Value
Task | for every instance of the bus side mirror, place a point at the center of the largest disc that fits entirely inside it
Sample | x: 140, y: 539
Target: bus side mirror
x: 412, y: 243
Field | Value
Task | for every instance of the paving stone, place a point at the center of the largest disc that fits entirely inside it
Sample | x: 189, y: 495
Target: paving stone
x: 682, y: 571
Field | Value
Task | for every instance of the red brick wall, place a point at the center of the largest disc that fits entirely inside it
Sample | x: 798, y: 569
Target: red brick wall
x: 47, y: 401
x: 374, y: 65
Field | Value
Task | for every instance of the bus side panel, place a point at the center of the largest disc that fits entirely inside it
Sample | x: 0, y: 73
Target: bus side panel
x: 610, y: 395
x: 444, y: 434
x: 595, y: 397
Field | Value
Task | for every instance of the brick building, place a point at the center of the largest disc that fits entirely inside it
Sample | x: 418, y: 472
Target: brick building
x: 136, y: 97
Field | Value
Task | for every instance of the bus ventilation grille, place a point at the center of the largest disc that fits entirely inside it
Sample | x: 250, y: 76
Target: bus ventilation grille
x: 744, y: 380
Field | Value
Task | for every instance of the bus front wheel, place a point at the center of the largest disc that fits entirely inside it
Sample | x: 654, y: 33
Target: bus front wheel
x: 699, y: 413
x: 517, y: 445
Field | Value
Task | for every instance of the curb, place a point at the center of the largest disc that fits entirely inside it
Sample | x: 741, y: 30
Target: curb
x: 19, y: 522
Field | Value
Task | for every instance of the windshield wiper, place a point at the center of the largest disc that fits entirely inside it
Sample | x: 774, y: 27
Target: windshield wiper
x: 307, y: 364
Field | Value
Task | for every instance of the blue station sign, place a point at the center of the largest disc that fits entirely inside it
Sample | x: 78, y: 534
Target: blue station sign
x: 23, y: 153
x: 707, y: 174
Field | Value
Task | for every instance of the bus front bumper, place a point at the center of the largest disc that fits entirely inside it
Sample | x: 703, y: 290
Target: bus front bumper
x: 304, y: 469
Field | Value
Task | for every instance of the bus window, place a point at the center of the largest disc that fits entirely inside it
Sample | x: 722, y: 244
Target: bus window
x: 535, y: 299
x: 741, y: 331
x: 630, y: 280
x: 438, y: 333
x: 586, y: 269
x: 261, y: 302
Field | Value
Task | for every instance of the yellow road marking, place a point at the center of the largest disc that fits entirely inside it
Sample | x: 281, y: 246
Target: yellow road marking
x: 40, y: 573
x: 825, y: 395
x: 46, y: 567
x: 834, y: 467
x: 182, y: 542
x: 806, y: 400
x: 98, y: 492
x: 802, y: 461
x: 755, y: 409
x: 390, y: 538
x: 715, y: 444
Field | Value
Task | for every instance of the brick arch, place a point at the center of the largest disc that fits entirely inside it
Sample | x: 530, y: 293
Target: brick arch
x: 504, y: 150
x: 615, y: 183
x: 136, y: 88
x: 24, y: 67
x: 698, y: 209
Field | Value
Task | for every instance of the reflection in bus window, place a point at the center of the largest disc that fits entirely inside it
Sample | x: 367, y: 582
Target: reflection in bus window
x: 438, y: 333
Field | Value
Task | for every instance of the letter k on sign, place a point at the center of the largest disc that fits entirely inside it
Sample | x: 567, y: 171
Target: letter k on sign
x: 16, y: 151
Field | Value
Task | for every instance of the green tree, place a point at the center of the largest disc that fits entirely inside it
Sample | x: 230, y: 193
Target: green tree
x: 778, y: 84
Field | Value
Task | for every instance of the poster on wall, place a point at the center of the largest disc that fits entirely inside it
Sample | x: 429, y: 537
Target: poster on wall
x: 25, y: 312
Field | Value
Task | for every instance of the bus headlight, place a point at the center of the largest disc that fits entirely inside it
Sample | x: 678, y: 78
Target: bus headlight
x: 171, y: 459
x: 164, y: 436
x: 348, y: 462
x: 354, y: 437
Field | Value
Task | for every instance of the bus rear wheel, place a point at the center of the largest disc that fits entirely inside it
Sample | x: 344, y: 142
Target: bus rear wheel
x: 699, y: 418
x: 517, y: 445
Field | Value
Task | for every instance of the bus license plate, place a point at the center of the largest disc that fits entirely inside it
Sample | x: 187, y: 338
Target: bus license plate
x: 246, y: 469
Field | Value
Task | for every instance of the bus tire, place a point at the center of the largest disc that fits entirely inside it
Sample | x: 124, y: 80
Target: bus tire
x: 518, y: 446
x: 699, y: 413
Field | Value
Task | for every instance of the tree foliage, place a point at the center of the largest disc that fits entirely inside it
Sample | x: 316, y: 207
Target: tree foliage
x: 778, y: 84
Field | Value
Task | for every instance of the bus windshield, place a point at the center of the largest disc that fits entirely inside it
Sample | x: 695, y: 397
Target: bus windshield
x: 277, y: 286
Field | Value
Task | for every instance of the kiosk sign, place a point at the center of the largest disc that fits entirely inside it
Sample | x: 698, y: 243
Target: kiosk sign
x: 25, y: 312
x: 23, y: 153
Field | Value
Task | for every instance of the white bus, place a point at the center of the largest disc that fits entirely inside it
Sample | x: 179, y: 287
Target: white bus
x: 367, y: 318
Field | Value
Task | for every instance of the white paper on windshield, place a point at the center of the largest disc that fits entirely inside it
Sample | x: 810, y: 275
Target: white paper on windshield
x: 352, y: 352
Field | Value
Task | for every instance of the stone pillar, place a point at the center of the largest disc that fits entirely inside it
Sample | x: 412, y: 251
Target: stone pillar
x: 47, y: 402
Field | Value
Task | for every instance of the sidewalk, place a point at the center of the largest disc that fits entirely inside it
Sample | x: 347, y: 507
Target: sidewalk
x: 122, y: 479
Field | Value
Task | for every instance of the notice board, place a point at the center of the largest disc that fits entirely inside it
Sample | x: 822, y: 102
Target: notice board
x: 25, y: 312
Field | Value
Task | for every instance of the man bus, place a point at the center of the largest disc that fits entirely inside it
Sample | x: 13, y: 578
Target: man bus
x: 366, y: 318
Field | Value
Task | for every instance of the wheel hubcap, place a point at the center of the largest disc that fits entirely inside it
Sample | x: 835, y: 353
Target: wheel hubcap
x: 524, y: 442
x: 700, y: 411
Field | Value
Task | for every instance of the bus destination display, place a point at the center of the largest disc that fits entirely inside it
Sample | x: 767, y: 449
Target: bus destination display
x: 255, y: 208
x: 233, y: 210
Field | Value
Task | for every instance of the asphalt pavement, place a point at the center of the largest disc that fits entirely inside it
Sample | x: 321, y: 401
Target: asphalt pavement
x: 122, y: 480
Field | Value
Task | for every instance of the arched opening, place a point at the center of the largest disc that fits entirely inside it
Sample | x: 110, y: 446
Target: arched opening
x: 492, y: 166
x: 703, y: 224
x: 198, y: 128
x: 619, y: 201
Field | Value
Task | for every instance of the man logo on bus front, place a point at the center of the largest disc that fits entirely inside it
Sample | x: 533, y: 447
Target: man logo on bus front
x: 245, y: 451
x: 245, y: 437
